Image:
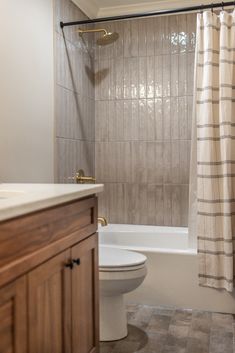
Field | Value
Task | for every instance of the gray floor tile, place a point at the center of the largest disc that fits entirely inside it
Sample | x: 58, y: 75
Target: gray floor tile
x: 166, y: 330
x: 197, y: 345
x: 159, y: 323
x: 154, y: 344
x: 221, y: 342
x: 222, y: 322
x: 182, y: 317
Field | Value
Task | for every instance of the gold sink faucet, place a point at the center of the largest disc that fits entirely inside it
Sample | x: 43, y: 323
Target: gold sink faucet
x: 102, y: 221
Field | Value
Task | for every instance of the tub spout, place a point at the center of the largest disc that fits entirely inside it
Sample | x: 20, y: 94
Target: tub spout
x: 102, y: 221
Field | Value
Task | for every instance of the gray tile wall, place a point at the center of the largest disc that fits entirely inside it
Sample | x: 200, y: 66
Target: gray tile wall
x: 74, y: 96
x: 143, y: 92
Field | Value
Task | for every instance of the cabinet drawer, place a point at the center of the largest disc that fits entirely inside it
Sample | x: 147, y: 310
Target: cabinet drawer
x: 27, y: 241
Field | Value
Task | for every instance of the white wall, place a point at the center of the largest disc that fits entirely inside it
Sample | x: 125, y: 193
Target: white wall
x: 26, y: 91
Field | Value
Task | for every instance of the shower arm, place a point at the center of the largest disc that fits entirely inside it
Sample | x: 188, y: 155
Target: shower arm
x: 95, y: 30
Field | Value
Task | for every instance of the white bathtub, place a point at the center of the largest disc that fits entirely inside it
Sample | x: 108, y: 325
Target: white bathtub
x: 146, y: 238
x: 172, y: 267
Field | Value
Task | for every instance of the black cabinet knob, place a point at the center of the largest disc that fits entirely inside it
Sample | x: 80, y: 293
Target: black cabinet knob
x: 70, y: 265
x: 76, y: 261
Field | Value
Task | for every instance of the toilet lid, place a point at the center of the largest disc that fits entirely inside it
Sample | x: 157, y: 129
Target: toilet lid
x: 118, y: 258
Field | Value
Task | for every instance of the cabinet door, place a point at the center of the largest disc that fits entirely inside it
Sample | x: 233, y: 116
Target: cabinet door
x: 85, y: 298
x: 13, y: 323
x: 49, y: 294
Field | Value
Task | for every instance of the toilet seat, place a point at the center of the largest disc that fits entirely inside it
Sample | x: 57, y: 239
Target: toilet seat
x: 118, y: 260
x: 121, y: 269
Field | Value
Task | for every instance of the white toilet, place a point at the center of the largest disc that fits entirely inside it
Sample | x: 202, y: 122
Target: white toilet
x: 120, y: 272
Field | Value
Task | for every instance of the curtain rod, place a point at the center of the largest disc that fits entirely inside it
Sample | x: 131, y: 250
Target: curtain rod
x: 149, y: 14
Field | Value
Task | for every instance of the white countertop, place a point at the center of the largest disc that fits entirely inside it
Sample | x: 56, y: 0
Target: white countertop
x: 19, y: 199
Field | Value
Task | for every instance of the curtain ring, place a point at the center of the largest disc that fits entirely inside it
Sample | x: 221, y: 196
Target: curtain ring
x: 201, y: 12
x: 222, y: 5
x: 212, y: 8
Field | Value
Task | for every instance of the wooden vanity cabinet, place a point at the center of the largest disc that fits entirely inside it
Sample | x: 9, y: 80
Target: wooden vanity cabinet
x: 13, y: 320
x: 53, y: 306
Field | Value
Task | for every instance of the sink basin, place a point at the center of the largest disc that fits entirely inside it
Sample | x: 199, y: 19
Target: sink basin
x: 6, y: 194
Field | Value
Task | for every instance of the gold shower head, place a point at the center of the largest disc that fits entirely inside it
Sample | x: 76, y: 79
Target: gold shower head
x: 107, y: 37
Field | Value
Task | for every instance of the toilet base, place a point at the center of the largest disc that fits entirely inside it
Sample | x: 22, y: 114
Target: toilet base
x: 113, y: 319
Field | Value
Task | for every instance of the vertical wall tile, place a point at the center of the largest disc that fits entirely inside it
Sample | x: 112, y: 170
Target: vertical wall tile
x: 166, y: 113
x: 158, y: 119
x: 134, y: 89
x: 135, y: 117
x: 143, y: 205
x: 184, y: 205
x: 159, y: 174
x: 112, y: 79
x: 190, y: 73
x: 175, y: 118
x: 155, y: 163
x: 150, y: 117
x: 151, y: 162
x: 189, y: 115
x: 176, y: 206
x: 158, y: 76
x: 174, y: 34
x: 119, y: 65
x: 130, y: 36
x: 175, y: 162
x: 150, y: 77
x: 183, y: 119
x: 184, y: 153
x: 183, y: 36
x: 151, y: 204
x: 159, y: 195
x: 103, y: 202
x: 167, y: 194
x: 182, y: 74
x: 138, y: 162
x: 143, y: 120
x: 118, y: 45
x: 166, y: 71
x: 127, y: 78
x: 101, y: 158
x: 166, y: 35
x: 127, y: 38
x: 191, y: 33
x: 167, y: 162
x: 131, y: 120
x: 127, y: 120
x: 142, y: 77
x: 102, y: 120
x: 150, y: 36
x: 158, y: 41
x: 142, y: 37
x: 174, y: 75
x: 104, y: 83
x: 115, y: 117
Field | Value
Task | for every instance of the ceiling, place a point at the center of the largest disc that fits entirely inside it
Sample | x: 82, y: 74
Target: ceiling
x: 106, y: 8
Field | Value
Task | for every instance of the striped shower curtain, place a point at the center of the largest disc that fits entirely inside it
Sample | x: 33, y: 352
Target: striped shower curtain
x: 215, y: 119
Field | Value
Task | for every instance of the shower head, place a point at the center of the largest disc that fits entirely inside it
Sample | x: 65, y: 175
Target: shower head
x: 107, y: 37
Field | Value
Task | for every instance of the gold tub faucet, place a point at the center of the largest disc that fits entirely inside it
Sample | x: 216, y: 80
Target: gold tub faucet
x: 102, y: 221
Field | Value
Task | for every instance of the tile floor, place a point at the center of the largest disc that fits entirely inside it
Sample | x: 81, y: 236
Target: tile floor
x: 163, y: 330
